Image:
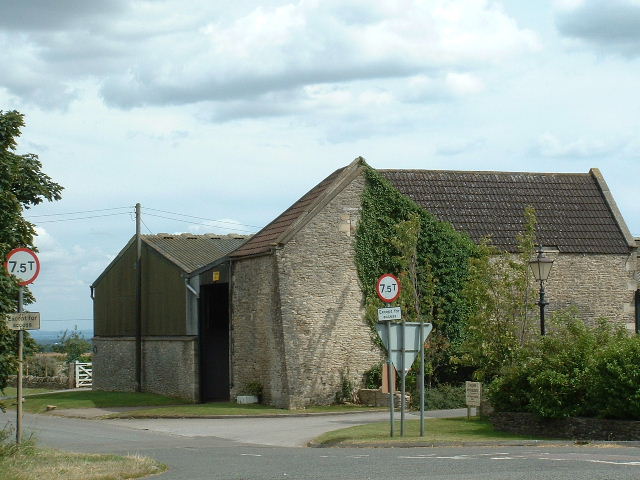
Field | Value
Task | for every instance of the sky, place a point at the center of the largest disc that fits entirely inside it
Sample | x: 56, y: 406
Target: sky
x: 225, y: 113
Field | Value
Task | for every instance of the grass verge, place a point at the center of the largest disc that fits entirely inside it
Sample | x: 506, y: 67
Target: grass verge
x: 437, y: 430
x: 29, y: 463
x: 229, y: 408
x: 90, y: 399
x: 11, y: 391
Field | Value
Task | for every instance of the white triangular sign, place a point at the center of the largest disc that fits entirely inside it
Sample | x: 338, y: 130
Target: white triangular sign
x: 392, y: 335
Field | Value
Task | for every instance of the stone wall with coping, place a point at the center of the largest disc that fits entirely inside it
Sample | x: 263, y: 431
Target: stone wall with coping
x: 326, y: 338
x: 599, y: 285
x: 169, y: 365
x: 257, y: 346
x: 570, y: 428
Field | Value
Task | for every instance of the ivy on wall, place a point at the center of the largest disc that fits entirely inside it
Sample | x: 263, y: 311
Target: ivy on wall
x: 442, y: 257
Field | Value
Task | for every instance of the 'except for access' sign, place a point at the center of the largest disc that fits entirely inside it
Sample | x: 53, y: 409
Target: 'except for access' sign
x: 392, y: 313
x: 23, y: 321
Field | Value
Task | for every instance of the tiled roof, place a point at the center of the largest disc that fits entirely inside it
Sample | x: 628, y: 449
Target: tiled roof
x: 267, y: 238
x: 190, y: 252
x: 572, y: 212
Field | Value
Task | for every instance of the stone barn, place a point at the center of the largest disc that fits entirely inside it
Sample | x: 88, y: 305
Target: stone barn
x: 297, y: 319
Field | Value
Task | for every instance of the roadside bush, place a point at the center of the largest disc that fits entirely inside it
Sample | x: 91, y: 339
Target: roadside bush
x: 614, y: 389
x: 573, y: 371
x: 444, y: 397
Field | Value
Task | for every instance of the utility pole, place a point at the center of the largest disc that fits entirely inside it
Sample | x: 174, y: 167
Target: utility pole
x: 138, y: 353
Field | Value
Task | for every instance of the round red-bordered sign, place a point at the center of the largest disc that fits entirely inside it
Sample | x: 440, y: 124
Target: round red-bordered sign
x: 388, y: 288
x: 23, y: 263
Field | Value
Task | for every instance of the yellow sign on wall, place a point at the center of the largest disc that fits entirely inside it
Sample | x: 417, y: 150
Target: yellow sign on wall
x: 216, y: 276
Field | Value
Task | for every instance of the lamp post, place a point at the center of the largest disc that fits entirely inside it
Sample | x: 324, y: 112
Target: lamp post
x: 541, y: 266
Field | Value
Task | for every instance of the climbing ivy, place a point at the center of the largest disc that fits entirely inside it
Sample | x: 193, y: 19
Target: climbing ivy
x: 442, y: 258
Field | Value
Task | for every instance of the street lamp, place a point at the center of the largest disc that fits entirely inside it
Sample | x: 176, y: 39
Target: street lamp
x: 541, y: 266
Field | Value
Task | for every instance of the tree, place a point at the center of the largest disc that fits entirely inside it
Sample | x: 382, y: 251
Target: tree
x: 73, y: 344
x: 498, y: 291
x: 22, y: 185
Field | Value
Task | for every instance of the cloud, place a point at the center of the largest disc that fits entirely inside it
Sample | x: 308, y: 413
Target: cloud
x: 549, y: 145
x: 48, y: 15
x: 169, y: 53
x: 458, y: 147
x: 612, y: 26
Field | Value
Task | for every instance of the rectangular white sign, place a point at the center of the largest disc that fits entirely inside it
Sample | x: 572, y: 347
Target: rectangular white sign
x: 23, y: 321
x: 473, y: 393
x: 392, y: 313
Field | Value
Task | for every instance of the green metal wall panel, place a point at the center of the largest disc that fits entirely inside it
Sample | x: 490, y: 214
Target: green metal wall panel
x: 163, y: 296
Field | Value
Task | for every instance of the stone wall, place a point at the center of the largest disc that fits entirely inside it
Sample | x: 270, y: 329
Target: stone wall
x: 169, y: 364
x: 171, y: 367
x: 599, y: 285
x: 571, y: 428
x: 57, y: 382
x: 326, y: 339
x: 257, y: 346
x: 114, y: 364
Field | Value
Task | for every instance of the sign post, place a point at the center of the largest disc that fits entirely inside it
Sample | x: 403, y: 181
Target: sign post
x: 388, y: 290
x: 22, y: 263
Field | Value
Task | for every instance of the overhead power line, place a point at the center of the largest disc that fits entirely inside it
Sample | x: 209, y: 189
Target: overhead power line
x: 83, y: 218
x: 78, y: 212
x: 196, y: 223
x: 201, y: 218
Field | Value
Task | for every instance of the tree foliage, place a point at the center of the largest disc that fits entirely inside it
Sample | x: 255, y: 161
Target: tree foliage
x: 498, y: 291
x: 22, y: 185
x: 72, y: 344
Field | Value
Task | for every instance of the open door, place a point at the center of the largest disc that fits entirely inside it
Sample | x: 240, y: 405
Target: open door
x: 214, y: 342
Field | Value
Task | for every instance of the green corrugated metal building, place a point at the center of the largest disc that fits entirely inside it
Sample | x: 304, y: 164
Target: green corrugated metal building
x: 183, y: 344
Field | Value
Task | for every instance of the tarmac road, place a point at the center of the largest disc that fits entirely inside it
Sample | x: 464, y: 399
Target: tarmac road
x: 195, y: 453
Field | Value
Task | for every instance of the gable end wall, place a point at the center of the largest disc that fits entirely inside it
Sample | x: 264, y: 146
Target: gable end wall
x: 326, y: 337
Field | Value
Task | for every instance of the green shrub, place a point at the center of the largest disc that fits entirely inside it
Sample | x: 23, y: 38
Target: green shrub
x: 614, y: 389
x: 372, y: 378
x: 574, y: 371
x: 444, y: 397
x: 252, y: 388
x: 346, y: 392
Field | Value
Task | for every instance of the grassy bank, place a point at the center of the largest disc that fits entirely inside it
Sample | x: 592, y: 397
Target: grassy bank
x: 437, y: 430
x: 29, y: 463
x: 11, y: 391
x: 90, y: 399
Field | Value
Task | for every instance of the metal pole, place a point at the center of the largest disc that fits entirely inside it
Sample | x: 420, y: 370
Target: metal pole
x: 404, y: 377
x: 138, y: 316
x: 542, y: 304
x: 390, y: 378
x: 421, y: 378
x: 19, y: 383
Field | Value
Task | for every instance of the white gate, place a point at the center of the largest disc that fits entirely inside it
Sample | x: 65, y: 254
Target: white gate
x: 84, y: 374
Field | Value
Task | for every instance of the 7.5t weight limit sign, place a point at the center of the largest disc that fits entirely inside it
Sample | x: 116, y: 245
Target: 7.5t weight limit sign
x: 388, y: 288
x: 24, y: 264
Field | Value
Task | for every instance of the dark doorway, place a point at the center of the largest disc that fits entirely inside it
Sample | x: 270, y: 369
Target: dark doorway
x: 214, y: 342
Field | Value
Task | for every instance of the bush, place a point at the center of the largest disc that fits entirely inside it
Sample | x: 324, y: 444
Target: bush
x: 444, y: 397
x: 372, y: 378
x: 574, y: 371
x: 614, y: 389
